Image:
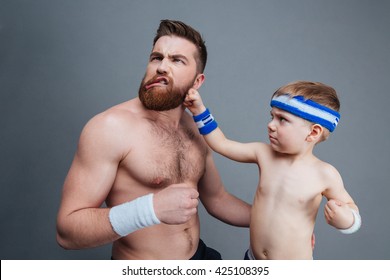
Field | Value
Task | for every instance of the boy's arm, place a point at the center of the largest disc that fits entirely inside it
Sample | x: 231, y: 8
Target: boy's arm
x: 242, y: 152
x: 340, y: 210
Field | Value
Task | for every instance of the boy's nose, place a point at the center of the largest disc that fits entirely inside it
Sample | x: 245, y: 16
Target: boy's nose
x: 271, y: 126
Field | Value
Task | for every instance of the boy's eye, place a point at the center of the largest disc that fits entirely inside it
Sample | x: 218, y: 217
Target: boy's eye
x: 283, y: 119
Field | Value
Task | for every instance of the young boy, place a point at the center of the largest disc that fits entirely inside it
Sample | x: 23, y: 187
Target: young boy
x: 292, y: 180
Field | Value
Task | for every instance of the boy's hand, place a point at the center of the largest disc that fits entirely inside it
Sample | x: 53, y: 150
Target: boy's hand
x: 194, y: 102
x: 338, y: 214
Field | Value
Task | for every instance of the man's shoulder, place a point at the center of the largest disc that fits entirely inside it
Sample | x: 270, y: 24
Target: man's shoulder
x: 129, y: 107
x: 114, y: 128
x: 125, y: 112
x: 117, y: 117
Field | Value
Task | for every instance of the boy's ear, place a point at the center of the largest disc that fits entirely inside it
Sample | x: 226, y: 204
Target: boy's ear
x: 315, y: 133
x: 198, y: 81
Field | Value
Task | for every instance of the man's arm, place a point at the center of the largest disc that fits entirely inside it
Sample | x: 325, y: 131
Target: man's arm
x: 218, y: 202
x: 81, y: 223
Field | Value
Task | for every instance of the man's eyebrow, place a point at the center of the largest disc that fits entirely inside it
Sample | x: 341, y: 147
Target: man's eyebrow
x: 156, y: 54
x: 179, y: 56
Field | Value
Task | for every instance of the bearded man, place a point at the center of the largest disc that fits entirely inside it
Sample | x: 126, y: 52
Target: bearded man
x: 147, y: 161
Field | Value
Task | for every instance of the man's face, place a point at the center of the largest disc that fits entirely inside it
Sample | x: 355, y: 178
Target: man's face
x: 170, y: 73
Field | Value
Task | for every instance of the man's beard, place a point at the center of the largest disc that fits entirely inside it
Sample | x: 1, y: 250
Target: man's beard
x: 162, y: 98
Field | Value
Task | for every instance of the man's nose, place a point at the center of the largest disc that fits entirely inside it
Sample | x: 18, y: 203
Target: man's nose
x: 163, y: 67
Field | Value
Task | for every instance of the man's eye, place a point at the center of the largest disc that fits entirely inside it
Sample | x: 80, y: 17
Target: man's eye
x: 155, y: 58
x: 178, y: 60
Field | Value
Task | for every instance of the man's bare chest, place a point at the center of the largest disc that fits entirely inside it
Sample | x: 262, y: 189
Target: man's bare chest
x: 161, y: 158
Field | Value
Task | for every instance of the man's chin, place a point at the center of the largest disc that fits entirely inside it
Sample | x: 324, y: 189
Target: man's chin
x: 160, y: 98
x: 161, y: 106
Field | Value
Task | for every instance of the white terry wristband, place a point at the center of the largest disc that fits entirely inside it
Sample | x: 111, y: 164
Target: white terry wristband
x: 133, y: 215
x: 356, y: 223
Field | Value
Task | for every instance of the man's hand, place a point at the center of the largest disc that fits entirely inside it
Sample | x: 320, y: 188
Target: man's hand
x: 176, y: 204
x: 194, y: 102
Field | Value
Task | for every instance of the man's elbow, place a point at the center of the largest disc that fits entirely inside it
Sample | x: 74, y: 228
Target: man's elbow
x: 63, y: 240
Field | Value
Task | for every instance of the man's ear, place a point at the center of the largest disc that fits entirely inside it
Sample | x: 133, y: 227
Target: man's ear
x: 315, y: 133
x: 198, y: 81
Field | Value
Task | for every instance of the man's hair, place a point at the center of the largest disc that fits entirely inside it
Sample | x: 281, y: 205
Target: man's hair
x: 180, y: 29
x: 315, y: 91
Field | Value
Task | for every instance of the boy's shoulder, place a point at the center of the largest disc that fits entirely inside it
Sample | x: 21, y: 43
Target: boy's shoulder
x: 263, y: 147
x: 265, y: 153
x: 327, y: 170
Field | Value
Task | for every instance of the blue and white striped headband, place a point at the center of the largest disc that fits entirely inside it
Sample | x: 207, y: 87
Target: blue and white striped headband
x: 308, y: 110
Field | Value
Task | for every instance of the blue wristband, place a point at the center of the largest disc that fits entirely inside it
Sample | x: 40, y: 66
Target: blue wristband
x: 205, y: 122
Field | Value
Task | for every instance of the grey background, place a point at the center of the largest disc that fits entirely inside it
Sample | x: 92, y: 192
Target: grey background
x: 62, y: 62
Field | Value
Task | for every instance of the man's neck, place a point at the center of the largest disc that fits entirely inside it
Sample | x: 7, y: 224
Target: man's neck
x: 170, y: 118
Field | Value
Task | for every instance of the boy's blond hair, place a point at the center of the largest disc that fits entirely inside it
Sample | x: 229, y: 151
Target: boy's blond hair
x: 315, y: 91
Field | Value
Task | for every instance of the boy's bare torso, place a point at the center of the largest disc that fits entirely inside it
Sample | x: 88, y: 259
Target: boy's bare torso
x: 156, y: 158
x: 285, y: 206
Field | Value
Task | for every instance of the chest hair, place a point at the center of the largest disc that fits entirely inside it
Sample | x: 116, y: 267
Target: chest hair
x: 181, y: 156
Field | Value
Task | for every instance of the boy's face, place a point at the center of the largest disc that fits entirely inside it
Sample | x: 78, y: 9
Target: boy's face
x: 287, y: 132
